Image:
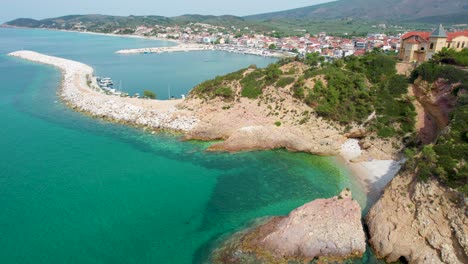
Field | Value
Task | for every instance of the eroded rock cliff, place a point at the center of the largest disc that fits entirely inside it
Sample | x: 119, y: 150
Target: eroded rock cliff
x: 422, y: 222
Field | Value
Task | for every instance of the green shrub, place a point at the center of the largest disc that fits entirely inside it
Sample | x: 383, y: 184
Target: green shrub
x: 397, y: 85
x: 378, y: 66
x: 431, y: 72
x: 272, y: 73
x: 251, y: 87
x: 224, y: 91
x: 277, y: 123
x: 451, y: 56
x: 386, y: 132
x: 209, y: 88
x: 285, y: 81
x: 149, y: 94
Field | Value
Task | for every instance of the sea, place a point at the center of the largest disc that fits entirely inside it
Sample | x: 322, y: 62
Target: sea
x: 74, y: 189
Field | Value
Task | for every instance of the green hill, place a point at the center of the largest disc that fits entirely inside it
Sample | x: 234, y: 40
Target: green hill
x: 387, y: 10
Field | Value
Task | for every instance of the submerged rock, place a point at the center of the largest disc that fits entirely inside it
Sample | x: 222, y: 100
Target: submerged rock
x: 324, y: 229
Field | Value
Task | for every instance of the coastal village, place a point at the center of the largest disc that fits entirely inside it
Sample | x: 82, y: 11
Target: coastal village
x: 331, y: 47
x: 382, y: 110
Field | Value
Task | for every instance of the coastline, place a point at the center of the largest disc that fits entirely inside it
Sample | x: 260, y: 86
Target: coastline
x: 124, y: 36
x: 76, y: 91
x: 187, y: 47
x: 101, y: 34
x: 180, y: 46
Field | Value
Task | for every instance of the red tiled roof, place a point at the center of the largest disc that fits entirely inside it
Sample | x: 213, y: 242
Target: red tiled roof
x: 421, y: 34
x: 426, y: 35
x: 452, y: 35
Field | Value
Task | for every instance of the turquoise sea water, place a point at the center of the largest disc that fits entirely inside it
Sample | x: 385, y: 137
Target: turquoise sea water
x: 79, y: 190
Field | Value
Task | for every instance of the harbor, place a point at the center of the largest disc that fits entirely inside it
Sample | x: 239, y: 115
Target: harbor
x: 204, y: 47
x: 107, y: 86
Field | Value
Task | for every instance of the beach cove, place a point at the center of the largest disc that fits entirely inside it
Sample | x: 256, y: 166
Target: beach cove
x: 308, y: 178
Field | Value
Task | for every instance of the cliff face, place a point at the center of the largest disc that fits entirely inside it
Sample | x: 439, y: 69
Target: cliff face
x: 275, y: 119
x: 326, y: 229
x: 421, y: 222
x: 435, y: 102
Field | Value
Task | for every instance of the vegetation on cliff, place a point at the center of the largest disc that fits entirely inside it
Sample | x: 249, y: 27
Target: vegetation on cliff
x: 451, y: 56
x: 357, y: 87
x: 355, y: 91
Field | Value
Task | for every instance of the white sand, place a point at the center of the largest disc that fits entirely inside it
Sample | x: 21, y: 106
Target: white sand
x: 77, y: 93
x: 373, y: 174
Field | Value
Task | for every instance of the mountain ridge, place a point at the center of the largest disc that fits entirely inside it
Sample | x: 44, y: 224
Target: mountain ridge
x: 391, y: 10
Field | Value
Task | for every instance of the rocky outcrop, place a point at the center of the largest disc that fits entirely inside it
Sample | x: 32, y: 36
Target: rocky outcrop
x: 420, y: 222
x: 437, y: 102
x: 327, y: 229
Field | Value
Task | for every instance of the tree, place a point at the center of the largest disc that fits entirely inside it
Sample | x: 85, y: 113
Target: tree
x: 272, y: 46
x: 313, y: 59
x: 149, y: 94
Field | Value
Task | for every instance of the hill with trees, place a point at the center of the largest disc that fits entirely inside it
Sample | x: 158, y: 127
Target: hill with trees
x: 385, y: 10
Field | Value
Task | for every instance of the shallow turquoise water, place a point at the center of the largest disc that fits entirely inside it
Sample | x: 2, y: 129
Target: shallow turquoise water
x: 79, y: 190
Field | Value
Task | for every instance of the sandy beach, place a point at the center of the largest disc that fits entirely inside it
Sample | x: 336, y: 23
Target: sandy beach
x: 79, y: 90
x: 374, y: 175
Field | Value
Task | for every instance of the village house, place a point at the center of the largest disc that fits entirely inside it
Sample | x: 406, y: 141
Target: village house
x: 421, y: 46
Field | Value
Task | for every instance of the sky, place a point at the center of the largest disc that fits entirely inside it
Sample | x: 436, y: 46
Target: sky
x: 40, y: 9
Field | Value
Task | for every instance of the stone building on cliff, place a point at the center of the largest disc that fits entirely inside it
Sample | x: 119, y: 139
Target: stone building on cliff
x: 421, y: 46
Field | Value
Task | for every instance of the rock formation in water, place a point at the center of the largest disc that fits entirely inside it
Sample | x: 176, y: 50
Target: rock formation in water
x: 420, y: 222
x: 322, y: 229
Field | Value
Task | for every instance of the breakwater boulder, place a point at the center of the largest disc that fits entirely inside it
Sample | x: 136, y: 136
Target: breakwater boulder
x: 324, y: 229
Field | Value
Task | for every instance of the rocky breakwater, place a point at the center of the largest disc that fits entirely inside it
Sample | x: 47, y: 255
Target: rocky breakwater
x: 77, y: 93
x: 419, y: 222
x: 324, y: 229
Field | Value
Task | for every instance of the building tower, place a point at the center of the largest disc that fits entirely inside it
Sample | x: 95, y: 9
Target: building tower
x: 437, y: 41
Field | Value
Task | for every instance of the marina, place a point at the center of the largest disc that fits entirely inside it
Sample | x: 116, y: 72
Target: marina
x: 107, y: 86
x: 204, y: 47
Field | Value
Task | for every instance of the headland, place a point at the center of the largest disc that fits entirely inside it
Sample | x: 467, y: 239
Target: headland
x: 240, y: 130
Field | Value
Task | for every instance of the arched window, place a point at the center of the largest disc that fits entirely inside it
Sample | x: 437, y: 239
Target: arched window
x: 458, y: 44
x: 463, y: 44
x: 432, y: 46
